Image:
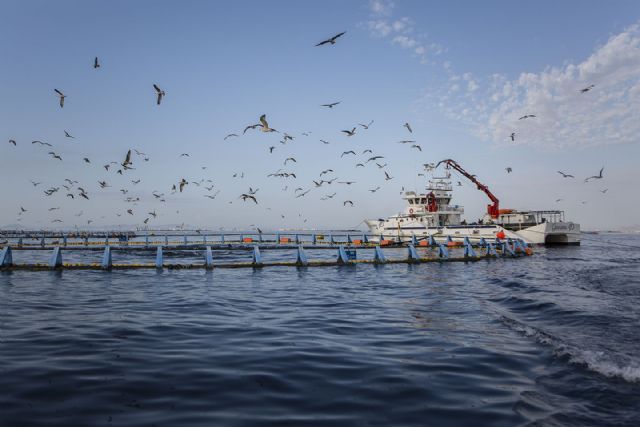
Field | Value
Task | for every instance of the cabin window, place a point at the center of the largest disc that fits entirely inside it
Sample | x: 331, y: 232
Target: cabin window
x: 423, y: 201
x: 410, y: 201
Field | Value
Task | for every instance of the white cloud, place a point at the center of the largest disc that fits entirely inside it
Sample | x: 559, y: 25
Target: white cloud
x: 404, y: 42
x: 381, y: 7
x: 383, y: 25
x: 607, y: 114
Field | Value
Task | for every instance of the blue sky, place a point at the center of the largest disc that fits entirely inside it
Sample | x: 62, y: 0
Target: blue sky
x: 461, y: 73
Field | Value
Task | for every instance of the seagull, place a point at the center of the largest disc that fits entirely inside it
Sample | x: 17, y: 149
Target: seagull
x: 559, y: 200
x: 42, y: 143
x: 55, y: 156
x: 290, y: 158
x: 348, y: 152
x: 229, y: 136
x: 182, y: 183
x: 405, y: 141
x: 513, y: 136
x: 508, y: 169
x: 96, y: 64
x: 375, y: 189
x: 333, y: 104
x: 265, y: 124
x: 350, y: 132
x: 599, y: 176
x: 566, y: 175
x: 374, y: 158
x: 304, y: 193
x: 347, y: 201
x: 326, y: 171
x: 244, y: 198
x: 387, y: 177
x: 271, y: 149
x: 67, y: 134
x: 587, y: 89
x: 103, y: 184
x: 416, y: 146
x: 408, y: 126
x: 22, y: 209
x: 130, y: 211
x: 86, y: 160
x: 367, y: 151
x: 159, y: 92
x: 12, y: 141
x: 62, y: 97
x: 527, y: 116
x: 346, y: 182
x: 367, y: 125
x: 331, y: 40
x: 135, y: 182
x: 250, y: 127
x: 381, y: 166
x: 604, y: 191
x: 35, y: 184
x: 127, y: 161
x: 324, y: 142
x: 184, y: 155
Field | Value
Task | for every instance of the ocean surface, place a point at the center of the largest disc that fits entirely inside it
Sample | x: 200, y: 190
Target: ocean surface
x: 552, y: 339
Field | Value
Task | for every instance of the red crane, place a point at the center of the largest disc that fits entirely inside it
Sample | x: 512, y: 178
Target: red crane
x: 494, y: 209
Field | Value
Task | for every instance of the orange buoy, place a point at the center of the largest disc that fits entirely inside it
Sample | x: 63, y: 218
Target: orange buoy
x: 500, y: 234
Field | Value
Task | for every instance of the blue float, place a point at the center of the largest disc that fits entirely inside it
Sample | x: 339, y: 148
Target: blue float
x: 159, y: 257
x: 342, y: 255
x: 208, y: 258
x: 432, y: 240
x: 443, y: 252
x: 414, y: 240
x: 379, y: 257
x: 257, y: 259
x: 413, y: 255
x: 106, y: 263
x: 6, y: 257
x: 301, y: 258
x: 56, y: 258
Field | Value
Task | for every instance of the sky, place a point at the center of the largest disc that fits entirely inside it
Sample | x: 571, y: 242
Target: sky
x: 460, y: 73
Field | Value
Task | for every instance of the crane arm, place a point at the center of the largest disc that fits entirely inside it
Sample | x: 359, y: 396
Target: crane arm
x: 492, y: 209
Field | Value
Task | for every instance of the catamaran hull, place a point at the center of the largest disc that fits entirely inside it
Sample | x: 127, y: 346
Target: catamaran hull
x: 551, y: 233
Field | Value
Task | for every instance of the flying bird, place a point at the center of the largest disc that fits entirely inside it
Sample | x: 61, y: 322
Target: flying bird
x: 67, y: 134
x: 375, y: 189
x: 324, y: 142
x: 265, y: 124
x: 513, y: 136
x: 12, y: 141
x: 159, y: 92
x: 55, y: 156
x: 587, y: 89
x: 333, y: 104
x: 527, y: 116
x: 344, y: 153
x: 565, y: 175
x: 508, y: 169
x: 416, y: 146
x: 62, y: 97
x: 331, y: 40
x: 244, y: 198
x: 599, y: 176
x: 290, y: 158
x: 182, y: 183
x: 347, y: 202
x: 387, y: 177
x: 96, y: 64
x: 408, y: 126
x: 350, y: 132
x: 367, y: 125
x: 229, y: 136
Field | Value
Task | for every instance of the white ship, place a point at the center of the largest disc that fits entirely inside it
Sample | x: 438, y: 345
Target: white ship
x: 431, y: 214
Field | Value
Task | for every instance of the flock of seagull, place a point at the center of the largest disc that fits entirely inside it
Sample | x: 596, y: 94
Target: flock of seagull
x: 73, y: 189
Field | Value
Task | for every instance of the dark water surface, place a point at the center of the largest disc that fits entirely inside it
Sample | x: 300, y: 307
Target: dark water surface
x: 552, y: 339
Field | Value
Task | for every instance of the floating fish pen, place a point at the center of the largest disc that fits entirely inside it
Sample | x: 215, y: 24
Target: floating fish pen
x: 197, y: 252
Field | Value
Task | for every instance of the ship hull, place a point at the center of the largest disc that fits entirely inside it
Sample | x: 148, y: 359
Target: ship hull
x: 550, y: 233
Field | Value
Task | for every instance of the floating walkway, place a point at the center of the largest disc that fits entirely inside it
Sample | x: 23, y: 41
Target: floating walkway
x: 447, y: 251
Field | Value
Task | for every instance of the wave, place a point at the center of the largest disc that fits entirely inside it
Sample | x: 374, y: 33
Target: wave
x: 596, y: 361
